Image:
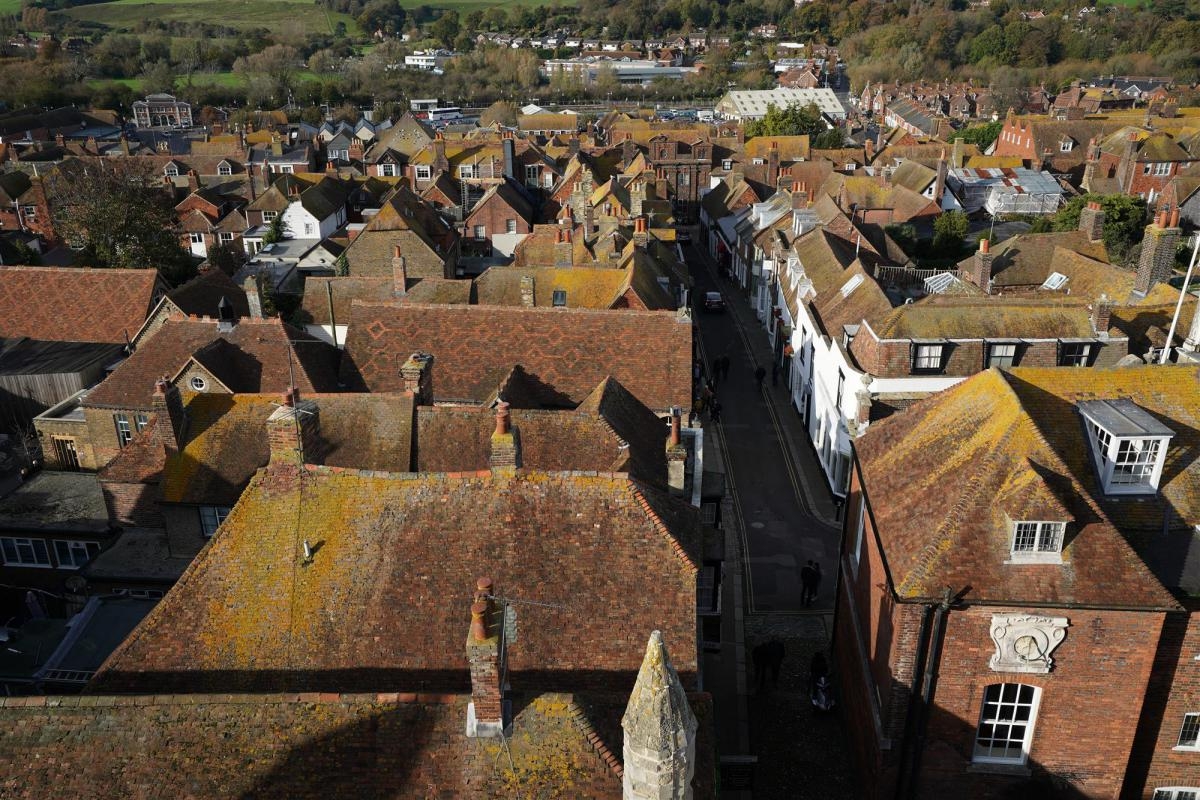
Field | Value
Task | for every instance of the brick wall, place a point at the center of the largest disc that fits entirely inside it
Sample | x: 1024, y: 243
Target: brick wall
x: 132, y: 504
x: 494, y: 216
x: 101, y: 436
x: 75, y: 430
x: 1087, y: 714
x: 892, y: 358
x: 1173, y: 692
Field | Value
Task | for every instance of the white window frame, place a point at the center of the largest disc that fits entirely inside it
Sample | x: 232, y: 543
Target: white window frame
x: 224, y: 169
x: 1066, y: 146
x: 197, y: 383
x: 923, y: 352
x: 510, y: 226
x: 387, y: 170
x: 479, y: 232
x: 1177, y: 793
x: 996, y: 720
x: 285, y: 169
x: 74, y: 549
x: 124, y: 429
x: 269, y: 216
x: 226, y: 237
x: 1080, y: 355
x: 29, y: 213
x: 171, y: 171
x: 1162, y: 168
x: 196, y: 238
x: 140, y: 421
x: 211, y: 518
x: 532, y: 174
x: 1190, y: 726
x: 10, y: 550
x: 1142, y: 456
x: 1002, y: 359
x: 1037, y: 541
x: 466, y: 171
x: 860, y: 531
x: 422, y: 172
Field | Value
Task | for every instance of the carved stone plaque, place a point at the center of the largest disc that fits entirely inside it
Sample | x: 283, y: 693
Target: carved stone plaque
x: 1024, y: 642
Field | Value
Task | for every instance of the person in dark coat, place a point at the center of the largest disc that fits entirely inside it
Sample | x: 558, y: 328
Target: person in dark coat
x: 714, y: 412
x: 816, y: 582
x: 775, y: 370
x: 807, y: 574
x: 760, y: 372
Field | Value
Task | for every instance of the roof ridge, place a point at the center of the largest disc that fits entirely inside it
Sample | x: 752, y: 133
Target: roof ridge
x: 939, y: 543
x: 639, y: 493
x: 579, y: 718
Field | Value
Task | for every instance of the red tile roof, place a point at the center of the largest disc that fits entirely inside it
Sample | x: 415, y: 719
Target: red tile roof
x: 76, y: 305
x: 312, y: 746
x: 383, y: 605
x: 254, y: 357
x: 1008, y: 446
x: 568, y: 350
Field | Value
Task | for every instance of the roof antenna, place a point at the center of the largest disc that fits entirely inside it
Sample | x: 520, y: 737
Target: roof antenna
x: 308, y: 552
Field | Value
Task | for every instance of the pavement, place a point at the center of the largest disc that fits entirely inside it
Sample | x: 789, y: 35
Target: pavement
x: 778, y: 513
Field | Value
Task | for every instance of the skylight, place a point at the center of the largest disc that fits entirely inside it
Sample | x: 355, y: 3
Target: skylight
x: 851, y: 285
x: 1056, y: 281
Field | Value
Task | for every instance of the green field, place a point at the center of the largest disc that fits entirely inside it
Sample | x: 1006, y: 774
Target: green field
x: 10, y: 7
x: 285, y: 16
x: 198, y: 79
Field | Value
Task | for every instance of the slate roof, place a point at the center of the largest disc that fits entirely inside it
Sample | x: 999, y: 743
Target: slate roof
x: 382, y: 607
x: 313, y: 746
x: 201, y: 295
x: 255, y: 358
x: 1009, y: 445
x: 568, y: 350
x: 65, y: 304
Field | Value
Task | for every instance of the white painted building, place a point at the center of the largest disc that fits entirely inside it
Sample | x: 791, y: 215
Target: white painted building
x: 752, y: 104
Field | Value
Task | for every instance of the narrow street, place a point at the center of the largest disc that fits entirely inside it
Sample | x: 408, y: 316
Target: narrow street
x: 782, y: 514
x: 776, y: 493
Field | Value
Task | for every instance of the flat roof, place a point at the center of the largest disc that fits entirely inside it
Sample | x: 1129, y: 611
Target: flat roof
x: 1123, y: 417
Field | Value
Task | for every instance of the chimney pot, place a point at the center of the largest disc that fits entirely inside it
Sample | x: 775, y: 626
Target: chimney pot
x: 503, y: 419
x: 985, y: 246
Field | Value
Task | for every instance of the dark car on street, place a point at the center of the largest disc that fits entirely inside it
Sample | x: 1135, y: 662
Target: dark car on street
x: 713, y: 301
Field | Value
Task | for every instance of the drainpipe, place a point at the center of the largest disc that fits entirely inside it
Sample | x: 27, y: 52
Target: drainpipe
x: 914, y: 697
x: 930, y: 686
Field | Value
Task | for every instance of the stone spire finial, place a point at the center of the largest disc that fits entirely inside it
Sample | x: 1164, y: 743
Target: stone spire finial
x: 660, y: 731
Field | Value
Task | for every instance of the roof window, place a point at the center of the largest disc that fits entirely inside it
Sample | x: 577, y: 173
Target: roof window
x: 1129, y: 446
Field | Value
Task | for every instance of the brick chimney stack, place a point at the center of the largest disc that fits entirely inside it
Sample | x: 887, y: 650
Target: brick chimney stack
x: 939, y: 185
x: 506, y: 443
x: 641, y: 236
x: 399, y: 273
x: 676, y: 452
x: 293, y: 430
x: 417, y: 373
x: 981, y: 273
x: 773, y: 165
x: 563, y: 251
x: 1091, y: 221
x: 528, y: 298
x: 799, y: 195
x: 1101, y: 315
x: 168, y: 410
x: 250, y: 287
x: 659, y: 731
x: 440, y: 163
x: 1158, y: 251
x: 485, y: 655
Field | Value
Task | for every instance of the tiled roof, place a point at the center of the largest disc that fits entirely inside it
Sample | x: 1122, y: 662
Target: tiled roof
x: 226, y: 443
x: 311, y: 746
x: 1024, y: 260
x: 610, y: 432
x: 403, y: 220
x: 568, y: 350
x: 788, y: 148
x: 945, y: 317
x: 76, y: 305
x: 440, y: 291
x: 201, y: 295
x: 314, y: 308
x: 260, y: 348
x: 585, y: 287
x: 914, y: 175
x: 829, y: 264
x: 1002, y: 447
x: 383, y: 603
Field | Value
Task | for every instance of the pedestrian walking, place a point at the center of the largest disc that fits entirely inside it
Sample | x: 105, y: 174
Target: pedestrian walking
x: 807, y: 574
x: 816, y: 582
x: 714, y: 412
x: 759, y: 373
x: 775, y: 373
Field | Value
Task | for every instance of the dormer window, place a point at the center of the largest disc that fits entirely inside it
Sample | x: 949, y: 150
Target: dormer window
x: 1038, y: 541
x: 1129, y: 446
x: 1066, y: 146
x: 171, y: 171
x: 224, y: 168
x: 927, y: 357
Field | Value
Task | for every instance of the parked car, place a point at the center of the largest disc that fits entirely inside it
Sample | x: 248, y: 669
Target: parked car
x: 713, y: 301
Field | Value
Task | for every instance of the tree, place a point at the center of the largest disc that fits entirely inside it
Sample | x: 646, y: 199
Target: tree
x: 949, y: 230
x: 795, y: 120
x: 501, y: 111
x: 227, y: 258
x: 159, y: 77
x: 1124, y: 221
x: 445, y: 29
x: 275, y: 68
x: 117, y: 213
x: 831, y: 139
x: 275, y: 231
x: 981, y: 135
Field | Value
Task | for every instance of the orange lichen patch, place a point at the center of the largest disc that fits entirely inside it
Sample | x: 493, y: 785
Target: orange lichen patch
x: 383, y: 599
x: 945, y: 317
x: 221, y: 428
